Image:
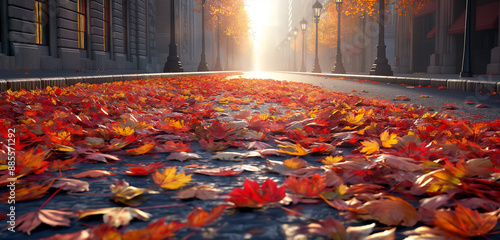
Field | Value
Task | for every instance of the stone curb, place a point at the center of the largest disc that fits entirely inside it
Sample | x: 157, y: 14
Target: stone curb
x: 42, y: 83
x: 3, y: 85
x: 453, y: 84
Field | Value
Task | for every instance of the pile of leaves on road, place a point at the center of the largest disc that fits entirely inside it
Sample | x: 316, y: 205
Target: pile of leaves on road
x: 383, y: 164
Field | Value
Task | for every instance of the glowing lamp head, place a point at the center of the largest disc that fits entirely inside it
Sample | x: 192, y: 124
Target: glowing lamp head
x: 317, y: 9
x: 289, y: 36
x: 295, y: 31
x: 338, y: 1
x: 303, y: 24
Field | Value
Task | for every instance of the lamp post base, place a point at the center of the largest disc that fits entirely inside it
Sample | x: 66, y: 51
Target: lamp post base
x: 218, y: 66
x: 338, y: 68
x: 203, y: 67
x: 383, y: 69
x: 173, y: 63
x: 316, y: 67
x: 303, y: 68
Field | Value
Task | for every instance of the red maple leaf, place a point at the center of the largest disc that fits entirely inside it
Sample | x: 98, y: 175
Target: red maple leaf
x: 143, y: 170
x: 254, y: 196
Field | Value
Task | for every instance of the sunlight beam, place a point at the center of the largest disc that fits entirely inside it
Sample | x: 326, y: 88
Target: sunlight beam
x: 258, y: 11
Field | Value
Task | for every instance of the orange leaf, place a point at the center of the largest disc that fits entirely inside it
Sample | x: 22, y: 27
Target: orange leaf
x: 295, y: 150
x: 155, y: 231
x: 142, y: 149
x: 307, y: 187
x: 465, y: 221
x: 199, y: 217
x: 295, y: 163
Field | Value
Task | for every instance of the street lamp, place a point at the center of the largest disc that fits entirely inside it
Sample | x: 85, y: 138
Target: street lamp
x: 295, y: 32
x: 289, y: 37
x: 203, y: 62
x: 339, y: 66
x: 317, y: 13
x: 303, y: 26
x: 470, y: 16
x: 218, y: 66
x: 381, y: 65
x: 173, y: 63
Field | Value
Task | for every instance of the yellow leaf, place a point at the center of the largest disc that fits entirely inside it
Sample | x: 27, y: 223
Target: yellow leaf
x: 296, y: 150
x: 388, y: 139
x: 127, y: 131
x: 370, y: 146
x: 331, y: 160
x: 169, y: 180
x: 295, y: 163
x: 142, y: 149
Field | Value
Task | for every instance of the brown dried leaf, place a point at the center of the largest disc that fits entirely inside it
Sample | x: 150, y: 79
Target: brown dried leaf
x: 29, y: 221
x: 200, y: 192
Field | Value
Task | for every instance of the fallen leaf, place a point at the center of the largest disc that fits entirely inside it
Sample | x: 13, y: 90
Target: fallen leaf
x: 392, y: 211
x: 71, y: 185
x: 29, y: 221
x: 200, y: 218
x: 116, y: 216
x: 93, y: 174
x: 168, y: 179
x: 182, y: 156
x: 200, y: 192
x: 154, y: 231
x: 308, y: 187
x: 144, y: 170
x: 126, y: 194
x: 251, y: 195
x: 466, y: 222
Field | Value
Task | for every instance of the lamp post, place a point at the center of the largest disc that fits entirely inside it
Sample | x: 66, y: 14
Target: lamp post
x: 303, y: 26
x: 470, y: 23
x: 173, y: 63
x: 289, y: 37
x: 317, y: 13
x: 339, y: 66
x: 381, y: 65
x: 218, y: 66
x: 295, y: 33
x: 203, y: 62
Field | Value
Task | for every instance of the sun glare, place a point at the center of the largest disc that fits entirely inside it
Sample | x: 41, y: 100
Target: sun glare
x: 258, y: 11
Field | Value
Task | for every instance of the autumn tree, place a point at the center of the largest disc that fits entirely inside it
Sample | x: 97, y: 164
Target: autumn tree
x: 231, y: 17
x: 327, y: 33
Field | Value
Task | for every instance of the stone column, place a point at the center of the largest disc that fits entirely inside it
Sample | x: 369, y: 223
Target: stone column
x: 402, y: 44
x: 444, y: 58
x: 494, y: 66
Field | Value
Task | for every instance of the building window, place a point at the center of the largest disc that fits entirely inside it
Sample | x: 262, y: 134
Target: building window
x: 82, y: 24
x: 106, y: 26
x: 41, y: 22
x: 125, y: 26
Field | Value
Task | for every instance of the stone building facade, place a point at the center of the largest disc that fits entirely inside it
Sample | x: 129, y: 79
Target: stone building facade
x: 432, y: 41
x: 77, y: 34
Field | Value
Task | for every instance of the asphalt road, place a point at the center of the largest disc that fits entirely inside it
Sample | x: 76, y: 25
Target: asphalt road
x: 454, y: 103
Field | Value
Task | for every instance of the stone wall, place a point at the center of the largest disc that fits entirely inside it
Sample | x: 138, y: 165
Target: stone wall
x: 130, y: 48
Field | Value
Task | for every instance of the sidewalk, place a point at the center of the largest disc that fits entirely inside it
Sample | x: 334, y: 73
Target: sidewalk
x: 29, y: 80
x: 478, y: 83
